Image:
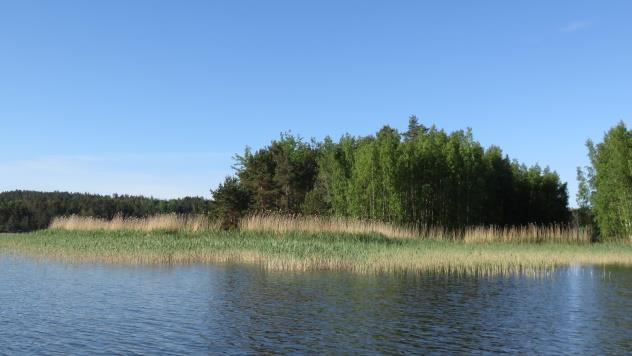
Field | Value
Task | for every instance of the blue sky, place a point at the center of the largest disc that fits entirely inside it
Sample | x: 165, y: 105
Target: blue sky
x: 154, y: 97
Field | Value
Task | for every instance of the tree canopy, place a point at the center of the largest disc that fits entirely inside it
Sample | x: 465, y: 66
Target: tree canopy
x: 606, y: 186
x: 421, y: 176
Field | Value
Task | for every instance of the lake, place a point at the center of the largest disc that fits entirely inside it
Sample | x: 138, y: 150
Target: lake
x: 57, y: 308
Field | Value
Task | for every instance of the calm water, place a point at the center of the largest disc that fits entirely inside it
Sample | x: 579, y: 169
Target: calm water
x: 55, y: 308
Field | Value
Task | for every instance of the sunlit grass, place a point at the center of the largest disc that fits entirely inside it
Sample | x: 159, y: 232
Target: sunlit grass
x: 362, y: 253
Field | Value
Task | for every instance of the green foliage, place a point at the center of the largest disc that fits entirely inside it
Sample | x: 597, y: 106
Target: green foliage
x: 584, y: 190
x: 423, y: 176
x: 608, y: 183
x: 428, y: 177
x: 231, y: 202
x: 335, y: 162
x: 28, y: 210
x: 317, y: 200
x: 280, y: 175
x: 583, y: 216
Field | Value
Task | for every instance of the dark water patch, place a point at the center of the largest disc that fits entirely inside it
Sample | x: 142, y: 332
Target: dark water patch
x: 50, y: 308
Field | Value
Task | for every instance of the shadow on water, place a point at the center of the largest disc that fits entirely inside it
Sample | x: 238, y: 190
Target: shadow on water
x: 54, y: 307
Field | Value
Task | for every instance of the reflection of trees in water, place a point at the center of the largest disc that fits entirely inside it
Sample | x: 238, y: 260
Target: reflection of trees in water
x: 324, y: 311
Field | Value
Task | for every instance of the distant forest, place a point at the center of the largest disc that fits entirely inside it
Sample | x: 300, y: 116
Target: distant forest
x: 421, y: 176
x: 27, y: 210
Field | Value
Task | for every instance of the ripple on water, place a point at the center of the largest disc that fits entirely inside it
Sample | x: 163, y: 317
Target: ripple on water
x: 49, y: 308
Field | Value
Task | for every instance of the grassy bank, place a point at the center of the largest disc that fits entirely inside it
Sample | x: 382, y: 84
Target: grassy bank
x: 363, y: 253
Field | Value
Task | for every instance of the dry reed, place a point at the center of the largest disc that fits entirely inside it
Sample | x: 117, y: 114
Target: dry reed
x: 161, y: 222
x: 530, y: 233
x: 282, y: 224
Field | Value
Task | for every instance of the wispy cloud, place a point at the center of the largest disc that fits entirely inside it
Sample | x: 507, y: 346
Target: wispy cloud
x: 576, y: 26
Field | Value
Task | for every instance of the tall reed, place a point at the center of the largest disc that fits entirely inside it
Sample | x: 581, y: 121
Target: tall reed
x: 306, y: 252
x: 315, y: 224
x: 161, y: 222
x: 310, y: 224
x: 283, y: 224
x: 530, y: 233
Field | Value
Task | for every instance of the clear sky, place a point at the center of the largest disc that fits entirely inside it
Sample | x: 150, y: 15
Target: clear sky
x: 154, y: 97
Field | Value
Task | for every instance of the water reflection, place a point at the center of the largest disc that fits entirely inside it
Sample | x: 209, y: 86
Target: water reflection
x: 53, y: 307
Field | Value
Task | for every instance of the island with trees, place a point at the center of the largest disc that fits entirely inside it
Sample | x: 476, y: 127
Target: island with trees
x: 418, y: 200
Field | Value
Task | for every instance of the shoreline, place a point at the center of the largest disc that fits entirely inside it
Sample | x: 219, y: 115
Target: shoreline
x: 311, y: 252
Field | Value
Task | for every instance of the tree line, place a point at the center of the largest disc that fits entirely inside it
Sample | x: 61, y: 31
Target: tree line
x: 29, y: 210
x: 422, y: 176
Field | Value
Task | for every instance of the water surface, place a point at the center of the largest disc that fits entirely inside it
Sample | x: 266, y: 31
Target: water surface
x: 53, y: 308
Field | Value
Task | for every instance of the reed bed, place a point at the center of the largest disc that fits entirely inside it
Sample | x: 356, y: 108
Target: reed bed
x: 528, y: 234
x: 310, y: 252
x: 161, y: 222
x: 283, y: 224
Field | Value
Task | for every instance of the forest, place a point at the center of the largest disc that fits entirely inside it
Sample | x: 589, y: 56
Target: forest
x: 28, y: 210
x: 423, y: 176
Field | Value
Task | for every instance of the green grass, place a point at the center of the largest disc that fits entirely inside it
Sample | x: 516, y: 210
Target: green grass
x: 300, y: 251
